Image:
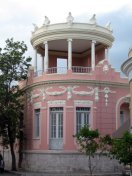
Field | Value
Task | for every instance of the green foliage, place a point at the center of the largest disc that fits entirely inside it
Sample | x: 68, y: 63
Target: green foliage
x: 13, y: 68
x: 86, y: 138
x: 122, y: 149
x: 91, y: 142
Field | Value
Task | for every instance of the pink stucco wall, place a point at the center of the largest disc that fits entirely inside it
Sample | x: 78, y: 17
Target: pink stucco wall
x: 104, y: 113
x: 84, y: 61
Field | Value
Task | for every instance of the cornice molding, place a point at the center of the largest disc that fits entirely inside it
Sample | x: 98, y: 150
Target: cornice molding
x: 126, y: 67
x: 67, y: 82
x: 76, y: 31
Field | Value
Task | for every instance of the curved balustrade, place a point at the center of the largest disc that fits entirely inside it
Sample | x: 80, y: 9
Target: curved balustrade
x: 58, y: 70
x: 38, y: 73
x: 63, y: 70
x: 79, y: 69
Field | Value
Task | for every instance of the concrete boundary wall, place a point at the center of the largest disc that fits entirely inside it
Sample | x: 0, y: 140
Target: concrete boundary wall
x: 67, y: 162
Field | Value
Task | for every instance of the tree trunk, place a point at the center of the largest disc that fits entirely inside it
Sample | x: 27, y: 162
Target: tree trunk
x: 21, y: 138
x: 20, y: 150
x: 11, y: 142
x: 13, y: 157
x: 90, y: 165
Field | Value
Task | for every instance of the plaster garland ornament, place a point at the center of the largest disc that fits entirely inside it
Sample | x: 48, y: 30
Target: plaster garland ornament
x: 42, y: 93
x: 69, y: 93
x: 29, y: 96
x: 91, y: 92
x: 106, y: 91
x: 96, y: 91
x: 70, y: 90
x: 105, y: 68
x: 55, y: 93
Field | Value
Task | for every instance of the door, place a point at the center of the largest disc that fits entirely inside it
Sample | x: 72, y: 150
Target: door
x: 56, y: 128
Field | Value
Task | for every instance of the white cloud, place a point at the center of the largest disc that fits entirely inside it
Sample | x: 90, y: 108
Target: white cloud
x: 57, y: 10
x: 17, y: 16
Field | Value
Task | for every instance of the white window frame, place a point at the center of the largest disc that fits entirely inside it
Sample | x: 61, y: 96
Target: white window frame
x: 56, y: 133
x: 84, y: 118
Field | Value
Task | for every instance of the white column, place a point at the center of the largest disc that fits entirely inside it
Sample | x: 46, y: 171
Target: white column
x: 42, y: 63
x: 69, y: 54
x: 35, y: 60
x: 46, y: 59
x: 93, y: 54
x: 106, y: 53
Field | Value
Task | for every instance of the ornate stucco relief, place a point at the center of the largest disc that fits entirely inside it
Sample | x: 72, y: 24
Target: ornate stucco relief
x: 42, y: 93
x: 106, y: 92
x: 70, y: 90
x: 105, y: 68
x: 96, y: 93
x: 90, y: 92
x: 55, y: 93
x: 84, y: 102
x: 37, y: 105
x: 29, y: 95
x: 56, y: 102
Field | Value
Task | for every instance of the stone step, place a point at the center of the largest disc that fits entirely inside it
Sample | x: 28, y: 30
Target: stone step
x: 23, y: 173
x: 68, y: 174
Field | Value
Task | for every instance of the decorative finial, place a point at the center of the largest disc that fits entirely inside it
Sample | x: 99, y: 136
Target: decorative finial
x: 108, y: 26
x: 93, y: 19
x: 35, y: 27
x: 46, y: 21
x: 70, y: 18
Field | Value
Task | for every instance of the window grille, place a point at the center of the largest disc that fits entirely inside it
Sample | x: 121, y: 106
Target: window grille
x: 82, y: 117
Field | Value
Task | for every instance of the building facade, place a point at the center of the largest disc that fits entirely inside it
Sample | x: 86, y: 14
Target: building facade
x: 75, y: 86
x: 127, y: 69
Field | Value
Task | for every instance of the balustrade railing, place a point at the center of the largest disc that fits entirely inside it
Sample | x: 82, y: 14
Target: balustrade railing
x: 79, y: 69
x: 38, y: 73
x: 63, y: 70
x: 59, y: 70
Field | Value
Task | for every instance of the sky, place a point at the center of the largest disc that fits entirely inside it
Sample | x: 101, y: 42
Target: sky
x: 17, y: 18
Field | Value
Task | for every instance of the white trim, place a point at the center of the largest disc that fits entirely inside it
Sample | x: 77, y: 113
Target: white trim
x: 75, y: 31
x: 56, y: 103
x: 46, y: 59
x: 37, y: 105
x: 93, y: 54
x: 83, y: 102
x: 117, y: 106
x: 69, y: 54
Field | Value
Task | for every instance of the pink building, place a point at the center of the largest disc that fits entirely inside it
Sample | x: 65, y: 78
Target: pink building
x: 75, y: 86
